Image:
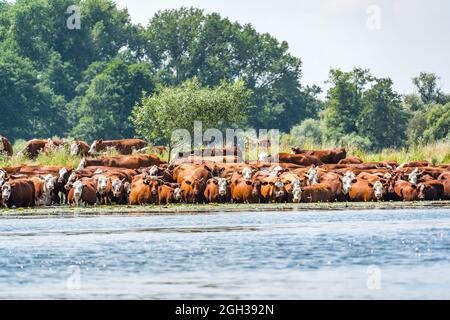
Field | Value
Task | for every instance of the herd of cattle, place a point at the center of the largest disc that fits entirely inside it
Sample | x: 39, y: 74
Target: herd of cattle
x: 214, y: 176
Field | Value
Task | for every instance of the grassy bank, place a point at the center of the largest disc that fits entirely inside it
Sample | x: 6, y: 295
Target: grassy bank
x: 435, y: 153
x: 214, y: 209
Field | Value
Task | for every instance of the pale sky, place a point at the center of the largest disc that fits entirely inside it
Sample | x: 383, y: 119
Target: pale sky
x: 410, y: 36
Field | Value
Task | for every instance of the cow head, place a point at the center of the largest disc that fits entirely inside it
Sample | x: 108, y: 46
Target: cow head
x: 275, y: 172
x: 256, y: 189
x: 378, y: 190
x: 82, y: 164
x: 279, y: 191
x: 102, y: 184
x: 63, y: 175
x: 49, y: 183
x: 313, y: 176
x: 74, y: 148
x: 6, y: 192
x: 77, y: 190
x: 414, y: 176
x: 178, y: 194
x: 70, y: 181
x: 127, y: 188
x: 247, y: 173
x: 94, y: 147
x: 296, y: 190
x: 198, y: 188
x: 117, y: 187
x: 347, y: 181
x: 422, y: 189
x: 153, y: 171
x: 223, y: 186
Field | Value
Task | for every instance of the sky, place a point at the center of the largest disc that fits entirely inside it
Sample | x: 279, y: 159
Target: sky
x: 392, y: 38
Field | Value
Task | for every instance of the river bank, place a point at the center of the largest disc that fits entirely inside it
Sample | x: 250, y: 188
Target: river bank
x: 116, y: 210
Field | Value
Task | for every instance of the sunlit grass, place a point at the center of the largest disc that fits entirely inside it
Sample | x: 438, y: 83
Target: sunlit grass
x: 436, y: 153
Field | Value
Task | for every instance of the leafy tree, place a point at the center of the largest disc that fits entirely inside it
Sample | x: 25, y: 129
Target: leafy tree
x: 438, y: 122
x: 344, y: 102
x: 177, y: 107
x: 310, y: 131
x: 382, y: 119
x: 29, y: 108
x: 428, y: 87
x: 109, y: 99
x: 185, y: 43
x: 413, y: 102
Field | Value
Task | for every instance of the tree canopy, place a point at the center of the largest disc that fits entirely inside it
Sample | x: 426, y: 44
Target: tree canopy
x: 84, y: 82
x: 176, y: 107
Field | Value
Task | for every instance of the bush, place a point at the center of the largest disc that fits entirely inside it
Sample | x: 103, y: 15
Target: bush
x: 309, y: 132
x: 355, y: 142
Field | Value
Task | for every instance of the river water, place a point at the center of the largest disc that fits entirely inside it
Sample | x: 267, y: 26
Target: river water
x: 377, y: 254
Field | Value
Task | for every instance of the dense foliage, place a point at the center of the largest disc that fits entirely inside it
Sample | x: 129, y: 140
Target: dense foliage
x: 84, y: 83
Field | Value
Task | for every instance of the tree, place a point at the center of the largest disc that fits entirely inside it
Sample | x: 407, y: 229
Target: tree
x: 438, y: 122
x: 170, y: 108
x: 344, y: 102
x: 382, y: 120
x: 428, y: 87
x: 186, y: 42
x: 105, y: 107
x: 29, y: 108
x: 310, y: 131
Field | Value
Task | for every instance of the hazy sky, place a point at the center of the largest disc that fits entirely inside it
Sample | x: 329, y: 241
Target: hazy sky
x: 393, y: 38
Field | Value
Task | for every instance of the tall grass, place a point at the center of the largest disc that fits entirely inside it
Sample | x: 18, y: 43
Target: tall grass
x: 436, y: 153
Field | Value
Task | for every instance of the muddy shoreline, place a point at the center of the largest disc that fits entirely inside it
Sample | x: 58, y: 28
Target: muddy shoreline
x: 65, y: 211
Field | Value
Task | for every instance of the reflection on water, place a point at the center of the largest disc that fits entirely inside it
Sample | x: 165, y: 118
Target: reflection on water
x: 332, y: 254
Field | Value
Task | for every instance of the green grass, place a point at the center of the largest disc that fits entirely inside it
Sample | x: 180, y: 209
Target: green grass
x: 436, y: 153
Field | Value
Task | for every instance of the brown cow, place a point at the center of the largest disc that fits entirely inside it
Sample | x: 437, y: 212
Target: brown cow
x: 444, y: 178
x: 53, y: 145
x: 299, y: 159
x: 33, y: 147
x: 79, y: 148
x: 193, y: 189
x: 365, y: 191
x: 18, y: 193
x: 83, y: 192
x: 351, y: 160
x: 317, y: 193
x: 44, y: 188
x: 406, y: 191
x: 431, y: 190
x: 104, y: 189
x: 128, y: 162
x: 414, y: 164
x: 217, y: 190
x: 332, y: 156
x: 140, y: 193
x: 5, y: 146
x: 125, y: 146
x: 334, y: 181
x: 246, y: 191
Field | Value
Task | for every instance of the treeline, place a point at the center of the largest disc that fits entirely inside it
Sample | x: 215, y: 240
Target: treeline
x: 85, y: 83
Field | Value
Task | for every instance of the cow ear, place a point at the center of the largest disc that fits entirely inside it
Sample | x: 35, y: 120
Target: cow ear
x: 100, y: 141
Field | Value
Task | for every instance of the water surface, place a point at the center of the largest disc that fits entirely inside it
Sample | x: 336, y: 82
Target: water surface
x: 383, y: 254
